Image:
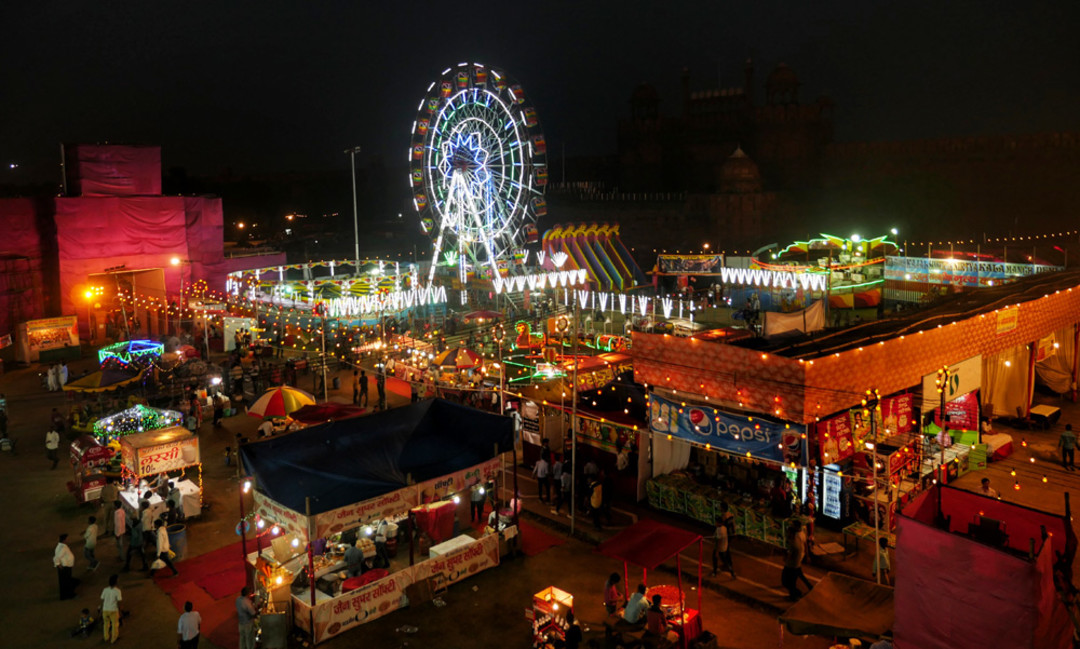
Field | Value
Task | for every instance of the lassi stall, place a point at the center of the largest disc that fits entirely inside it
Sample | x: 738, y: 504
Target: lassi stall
x: 168, y: 452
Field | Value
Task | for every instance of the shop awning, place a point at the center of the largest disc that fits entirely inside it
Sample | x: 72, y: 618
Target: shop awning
x: 103, y: 380
x: 349, y: 461
x: 647, y: 543
x: 842, y: 607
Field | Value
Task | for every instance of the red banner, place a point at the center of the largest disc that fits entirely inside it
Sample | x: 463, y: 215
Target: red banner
x: 834, y: 439
x: 896, y: 414
x: 961, y: 413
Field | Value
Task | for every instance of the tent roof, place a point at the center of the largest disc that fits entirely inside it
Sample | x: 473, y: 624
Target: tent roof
x: 328, y: 411
x: 343, y: 462
x: 647, y: 543
x: 842, y: 607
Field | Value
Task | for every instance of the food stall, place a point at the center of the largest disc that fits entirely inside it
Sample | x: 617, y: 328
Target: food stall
x: 367, y: 497
x: 152, y: 453
x: 647, y: 544
x: 90, y: 460
x: 548, y: 615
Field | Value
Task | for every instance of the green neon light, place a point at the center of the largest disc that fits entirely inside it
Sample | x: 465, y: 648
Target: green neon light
x: 854, y: 286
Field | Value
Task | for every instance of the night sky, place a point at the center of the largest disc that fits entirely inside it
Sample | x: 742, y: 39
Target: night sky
x: 285, y: 86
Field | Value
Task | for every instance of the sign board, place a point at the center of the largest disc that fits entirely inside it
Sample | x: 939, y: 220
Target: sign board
x: 36, y: 336
x: 1007, y: 319
x: 834, y: 439
x: 364, y: 604
x: 752, y: 436
x: 158, y: 451
x: 964, y: 377
x: 957, y: 272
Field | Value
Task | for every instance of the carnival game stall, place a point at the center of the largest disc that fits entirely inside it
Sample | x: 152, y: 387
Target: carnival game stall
x: 647, y: 544
x: 155, y: 454
x: 372, y: 483
x: 90, y: 461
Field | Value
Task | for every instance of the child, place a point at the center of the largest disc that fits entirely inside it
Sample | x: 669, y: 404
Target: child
x: 86, y: 624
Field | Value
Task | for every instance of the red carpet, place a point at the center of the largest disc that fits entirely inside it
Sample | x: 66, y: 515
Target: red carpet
x: 210, y: 582
x: 535, y: 540
x: 224, y: 583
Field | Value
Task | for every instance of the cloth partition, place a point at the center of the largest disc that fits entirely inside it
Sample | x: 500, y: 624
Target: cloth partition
x: 1055, y: 370
x: 805, y: 320
x: 957, y: 593
x: 113, y: 170
x: 669, y: 455
x: 1005, y: 381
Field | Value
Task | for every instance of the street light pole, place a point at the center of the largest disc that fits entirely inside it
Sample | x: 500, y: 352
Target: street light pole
x: 356, y: 219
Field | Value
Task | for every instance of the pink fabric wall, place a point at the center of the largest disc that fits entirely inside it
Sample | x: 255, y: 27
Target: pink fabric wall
x: 955, y: 593
x: 23, y: 285
x: 113, y: 170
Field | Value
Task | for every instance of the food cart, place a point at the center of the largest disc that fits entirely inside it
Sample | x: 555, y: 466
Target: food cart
x: 152, y: 453
x: 90, y: 461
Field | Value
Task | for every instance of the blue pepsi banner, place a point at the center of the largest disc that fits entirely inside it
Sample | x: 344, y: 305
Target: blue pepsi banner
x: 761, y: 438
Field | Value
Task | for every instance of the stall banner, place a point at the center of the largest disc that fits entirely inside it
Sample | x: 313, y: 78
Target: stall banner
x: 36, y: 336
x: 1047, y: 347
x: 356, y: 514
x: 605, y: 435
x: 153, y: 460
x: 896, y: 413
x: 362, y: 605
x: 292, y: 522
x: 961, y: 413
x: 753, y: 436
x: 461, y: 563
x: 958, y: 273
x: 530, y: 422
x: 690, y: 264
x: 459, y: 481
x: 964, y: 377
x: 834, y: 439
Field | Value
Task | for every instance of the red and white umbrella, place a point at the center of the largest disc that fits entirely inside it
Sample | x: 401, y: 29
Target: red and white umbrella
x: 280, y: 402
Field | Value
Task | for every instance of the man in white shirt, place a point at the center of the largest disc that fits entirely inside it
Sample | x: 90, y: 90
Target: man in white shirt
x: 188, y: 628
x: 986, y: 490
x: 110, y: 610
x: 52, y: 445
x: 64, y: 561
x: 266, y: 429
x: 542, y: 479
x: 90, y: 543
x: 163, y: 548
x: 636, y: 606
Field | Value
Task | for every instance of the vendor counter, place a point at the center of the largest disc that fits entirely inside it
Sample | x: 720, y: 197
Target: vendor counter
x: 191, y: 500
x: 680, y: 494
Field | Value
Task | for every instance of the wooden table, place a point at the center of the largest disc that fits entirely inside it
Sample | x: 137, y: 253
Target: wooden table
x: 864, y: 531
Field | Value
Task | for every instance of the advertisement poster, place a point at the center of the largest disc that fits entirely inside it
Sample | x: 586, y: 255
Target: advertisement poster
x: 753, y: 436
x: 368, y: 603
x: 530, y: 422
x: 896, y: 414
x: 36, y: 336
x: 834, y: 439
x: 961, y: 413
x: 690, y: 264
x: 461, y: 563
x: 964, y: 377
x: 959, y: 273
x: 860, y: 425
x: 605, y: 435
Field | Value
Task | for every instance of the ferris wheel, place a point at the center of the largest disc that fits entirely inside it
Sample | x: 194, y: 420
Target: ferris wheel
x: 477, y: 168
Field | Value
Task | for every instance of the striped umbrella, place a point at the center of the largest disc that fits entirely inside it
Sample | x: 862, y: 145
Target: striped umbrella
x: 459, y: 358
x: 279, y: 402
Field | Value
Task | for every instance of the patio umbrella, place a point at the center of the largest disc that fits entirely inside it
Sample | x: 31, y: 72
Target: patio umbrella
x: 279, y: 402
x: 459, y: 358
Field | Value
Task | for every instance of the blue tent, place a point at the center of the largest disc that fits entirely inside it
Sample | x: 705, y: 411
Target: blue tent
x: 344, y: 462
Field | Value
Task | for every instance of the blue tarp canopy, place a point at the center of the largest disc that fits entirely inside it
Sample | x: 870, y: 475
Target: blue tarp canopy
x: 344, y: 462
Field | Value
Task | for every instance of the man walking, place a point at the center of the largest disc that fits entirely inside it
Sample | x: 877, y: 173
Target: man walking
x: 163, y: 549
x: 362, y: 382
x: 1067, y: 444
x: 109, y: 493
x: 64, y: 561
x: 189, y: 627
x: 136, y: 543
x: 566, y: 485
x: 90, y: 543
x: 356, y: 387
x: 245, y: 616
x: 477, y: 498
x: 110, y: 609
x: 119, y: 519
x: 542, y: 479
x: 380, y: 386
x: 52, y: 446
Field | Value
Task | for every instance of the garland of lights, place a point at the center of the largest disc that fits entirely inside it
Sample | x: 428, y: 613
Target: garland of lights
x: 137, y: 419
